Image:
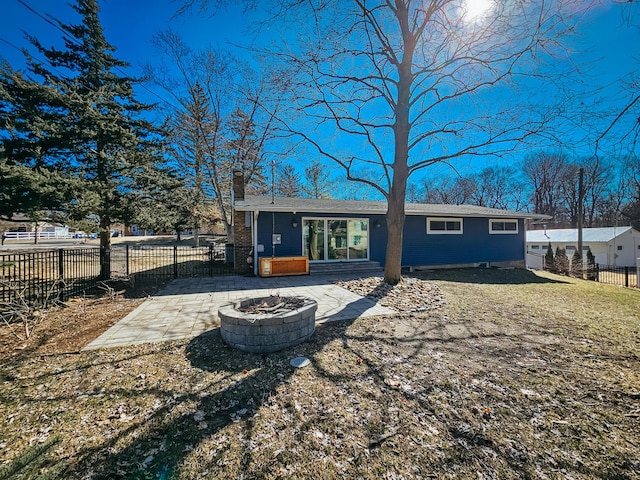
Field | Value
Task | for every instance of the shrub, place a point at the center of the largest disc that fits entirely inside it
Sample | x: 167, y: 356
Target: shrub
x: 576, y: 264
x: 549, y: 261
x: 561, y: 261
x: 592, y: 268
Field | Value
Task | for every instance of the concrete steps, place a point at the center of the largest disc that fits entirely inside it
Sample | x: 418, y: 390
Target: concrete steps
x: 353, y: 268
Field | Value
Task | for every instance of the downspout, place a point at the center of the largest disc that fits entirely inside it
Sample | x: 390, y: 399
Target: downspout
x: 254, y: 234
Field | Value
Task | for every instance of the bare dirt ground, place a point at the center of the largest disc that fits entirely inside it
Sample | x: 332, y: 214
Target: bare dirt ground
x: 513, y: 375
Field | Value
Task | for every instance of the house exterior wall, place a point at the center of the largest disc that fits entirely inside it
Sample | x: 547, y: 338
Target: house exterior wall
x: 475, y: 245
x: 291, y: 238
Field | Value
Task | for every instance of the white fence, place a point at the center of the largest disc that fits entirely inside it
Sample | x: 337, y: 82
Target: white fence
x: 31, y: 235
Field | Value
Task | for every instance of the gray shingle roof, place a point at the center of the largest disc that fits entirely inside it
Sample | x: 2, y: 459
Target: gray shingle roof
x: 567, y: 235
x: 333, y: 206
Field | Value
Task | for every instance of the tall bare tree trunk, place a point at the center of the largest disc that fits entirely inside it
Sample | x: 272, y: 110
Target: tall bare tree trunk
x: 402, y: 127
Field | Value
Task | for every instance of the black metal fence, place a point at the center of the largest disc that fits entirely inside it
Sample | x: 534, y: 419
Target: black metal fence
x: 159, y: 262
x: 44, y: 276
x: 614, y: 275
x: 609, y: 274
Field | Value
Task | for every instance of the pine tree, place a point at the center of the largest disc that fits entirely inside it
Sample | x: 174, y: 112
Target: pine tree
x: 288, y: 181
x: 576, y: 264
x: 592, y: 268
x: 82, y: 120
x: 318, y: 181
x: 561, y: 261
x: 549, y: 261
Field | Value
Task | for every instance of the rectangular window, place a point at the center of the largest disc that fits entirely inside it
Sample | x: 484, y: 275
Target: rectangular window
x: 545, y: 247
x: 503, y: 226
x: 535, y: 247
x: 619, y: 247
x: 444, y: 226
x: 570, y: 248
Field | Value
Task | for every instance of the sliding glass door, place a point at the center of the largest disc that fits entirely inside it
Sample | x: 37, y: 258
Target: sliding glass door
x: 327, y: 239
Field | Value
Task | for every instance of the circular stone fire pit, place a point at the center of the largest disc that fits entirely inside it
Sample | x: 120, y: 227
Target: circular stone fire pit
x: 268, y: 324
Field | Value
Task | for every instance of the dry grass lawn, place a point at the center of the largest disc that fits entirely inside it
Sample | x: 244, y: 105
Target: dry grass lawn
x: 518, y: 375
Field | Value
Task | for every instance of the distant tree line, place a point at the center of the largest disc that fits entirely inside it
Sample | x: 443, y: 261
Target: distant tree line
x: 547, y: 182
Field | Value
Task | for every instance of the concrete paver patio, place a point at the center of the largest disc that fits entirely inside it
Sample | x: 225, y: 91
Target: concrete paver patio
x: 186, y: 308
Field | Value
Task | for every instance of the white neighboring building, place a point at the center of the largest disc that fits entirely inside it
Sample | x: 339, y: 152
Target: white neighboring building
x: 618, y: 246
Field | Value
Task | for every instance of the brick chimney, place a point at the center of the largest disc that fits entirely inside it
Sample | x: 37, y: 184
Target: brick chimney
x: 238, y: 185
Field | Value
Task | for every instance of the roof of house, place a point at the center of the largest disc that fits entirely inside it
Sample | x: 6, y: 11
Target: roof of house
x: 254, y: 203
x: 568, y: 235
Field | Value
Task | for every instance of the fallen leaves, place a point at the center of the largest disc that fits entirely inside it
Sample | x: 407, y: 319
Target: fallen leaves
x: 406, y: 396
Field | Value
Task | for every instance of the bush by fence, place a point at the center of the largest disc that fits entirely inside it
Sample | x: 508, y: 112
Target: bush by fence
x: 609, y: 274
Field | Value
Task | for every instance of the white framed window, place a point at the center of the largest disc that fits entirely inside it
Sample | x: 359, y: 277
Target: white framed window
x: 503, y: 226
x: 535, y: 247
x: 444, y: 226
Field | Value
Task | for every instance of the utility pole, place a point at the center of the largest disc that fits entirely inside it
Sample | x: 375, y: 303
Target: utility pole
x: 580, y: 215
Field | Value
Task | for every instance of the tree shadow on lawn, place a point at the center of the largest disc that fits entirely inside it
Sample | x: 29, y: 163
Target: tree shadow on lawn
x: 244, y: 381
x: 236, y: 385
x: 496, y: 276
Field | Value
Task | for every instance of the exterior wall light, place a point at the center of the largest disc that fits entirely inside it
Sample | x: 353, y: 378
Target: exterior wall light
x: 294, y: 222
x: 376, y: 224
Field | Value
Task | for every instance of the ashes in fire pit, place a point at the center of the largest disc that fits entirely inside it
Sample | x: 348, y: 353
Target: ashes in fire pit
x: 268, y: 324
x: 273, y: 304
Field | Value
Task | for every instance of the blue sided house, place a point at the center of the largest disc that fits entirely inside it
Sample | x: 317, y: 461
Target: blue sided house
x: 328, y: 230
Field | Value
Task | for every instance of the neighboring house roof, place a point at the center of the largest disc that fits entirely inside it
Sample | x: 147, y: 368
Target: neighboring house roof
x: 568, y: 235
x: 254, y: 203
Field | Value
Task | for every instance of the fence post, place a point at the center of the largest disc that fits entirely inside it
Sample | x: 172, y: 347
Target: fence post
x: 626, y: 277
x: 211, y: 260
x: 61, y: 274
x: 126, y: 257
x: 175, y: 261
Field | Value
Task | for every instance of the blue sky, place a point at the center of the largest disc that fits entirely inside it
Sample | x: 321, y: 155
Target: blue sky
x: 606, y: 44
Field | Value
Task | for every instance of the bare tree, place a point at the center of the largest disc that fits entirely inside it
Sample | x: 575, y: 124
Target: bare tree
x: 400, y: 85
x: 218, y: 118
x: 546, y: 173
x: 405, y: 85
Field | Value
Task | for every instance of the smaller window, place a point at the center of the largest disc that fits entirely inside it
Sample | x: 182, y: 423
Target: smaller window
x: 535, y: 247
x: 545, y: 247
x: 571, y: 247
x: 619, y: 247
x: 444, y: 226
x: 503, y: 226
x: 586, y: 247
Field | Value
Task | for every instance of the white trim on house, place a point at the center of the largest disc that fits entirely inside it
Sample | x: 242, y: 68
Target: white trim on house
x: 449, y: 226
x: 504, y: 222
